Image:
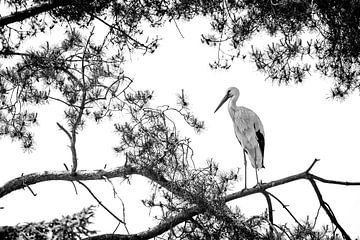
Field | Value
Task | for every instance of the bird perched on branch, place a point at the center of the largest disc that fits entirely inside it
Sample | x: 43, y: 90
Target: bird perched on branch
x: 248, y: 130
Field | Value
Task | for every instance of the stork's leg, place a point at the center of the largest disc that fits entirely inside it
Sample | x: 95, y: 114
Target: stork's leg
x: 257, y: 179
x: 245, y: 169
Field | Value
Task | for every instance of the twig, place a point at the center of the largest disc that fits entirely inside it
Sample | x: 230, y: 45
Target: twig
x: 66, y: 132
x: 26, y: 185
x: 67, y: 169
x: 116, y: 228
x: 76, y: 192
x: 33, y: 193
x: 93, y: 195
x: 312, y: 165
x: 317, y: 215
x: 178, y: 28
x: 118, y: 29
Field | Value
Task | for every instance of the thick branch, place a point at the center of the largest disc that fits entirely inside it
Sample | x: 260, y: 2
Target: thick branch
x: 33, y: 178
x: 170, y: 222
x: 31, y: 12
x: 155, y: 231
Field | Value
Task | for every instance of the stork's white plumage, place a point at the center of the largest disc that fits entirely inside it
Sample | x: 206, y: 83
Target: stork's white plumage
x: 248, y: 130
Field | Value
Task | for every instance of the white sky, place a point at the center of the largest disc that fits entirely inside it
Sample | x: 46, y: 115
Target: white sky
x: 300, y: 123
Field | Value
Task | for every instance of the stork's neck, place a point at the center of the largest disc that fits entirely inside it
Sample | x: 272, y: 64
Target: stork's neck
x: 232, y: 105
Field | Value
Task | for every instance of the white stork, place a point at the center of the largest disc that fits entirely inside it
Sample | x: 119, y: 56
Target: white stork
x: 248, y: 130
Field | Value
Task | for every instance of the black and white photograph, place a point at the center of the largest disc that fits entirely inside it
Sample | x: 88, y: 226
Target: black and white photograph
x: 179, y: 119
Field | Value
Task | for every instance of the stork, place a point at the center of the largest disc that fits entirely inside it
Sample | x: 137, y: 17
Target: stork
x: 248, y: 130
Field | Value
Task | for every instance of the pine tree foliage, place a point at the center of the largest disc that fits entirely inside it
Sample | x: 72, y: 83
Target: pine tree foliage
x: 86, y: 77
x: 74, y: 226
x: 308, y: 35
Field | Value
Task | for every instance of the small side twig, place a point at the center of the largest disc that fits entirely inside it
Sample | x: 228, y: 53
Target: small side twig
x: 285, y: 207
x: 317, y: 215
x: 64, y: 129
x: 177, y: 27
x: 32, y: 192
x: 28, y: 187
x: 312, y: 165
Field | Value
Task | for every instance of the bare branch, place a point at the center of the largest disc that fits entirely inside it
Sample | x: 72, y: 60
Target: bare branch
x: 285, y: 207
x: 334, y: 181
x: 328, y: 210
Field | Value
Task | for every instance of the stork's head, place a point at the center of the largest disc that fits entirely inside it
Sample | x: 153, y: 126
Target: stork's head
x: 230, y: 93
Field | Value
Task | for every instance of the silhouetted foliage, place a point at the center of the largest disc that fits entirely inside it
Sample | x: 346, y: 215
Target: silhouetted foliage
x: 306, y: 35
x: 87, y: 78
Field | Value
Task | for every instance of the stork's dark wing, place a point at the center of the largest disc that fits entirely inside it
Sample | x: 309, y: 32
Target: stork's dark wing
x: 261, y: 140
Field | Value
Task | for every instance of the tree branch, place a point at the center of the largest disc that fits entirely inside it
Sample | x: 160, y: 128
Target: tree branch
x: 33, y: 178
x: 169, y: 222
x: 32, y: 11
x: 270, y: 208
x: 162, y: 227
x: 99, y: 202
x: 285, y: 207
x: 328, y: 210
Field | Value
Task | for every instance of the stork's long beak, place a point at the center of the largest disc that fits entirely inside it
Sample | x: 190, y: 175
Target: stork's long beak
x: 226, y: 97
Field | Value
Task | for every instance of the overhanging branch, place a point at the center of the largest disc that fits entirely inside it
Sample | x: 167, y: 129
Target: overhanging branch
x: 31, y: 12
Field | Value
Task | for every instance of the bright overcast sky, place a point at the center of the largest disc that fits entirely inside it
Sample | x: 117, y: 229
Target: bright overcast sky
x: 301, y: 123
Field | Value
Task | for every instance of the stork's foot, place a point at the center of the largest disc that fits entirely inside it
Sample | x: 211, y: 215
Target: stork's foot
x: 244, y: 189
x: 259, y: 184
